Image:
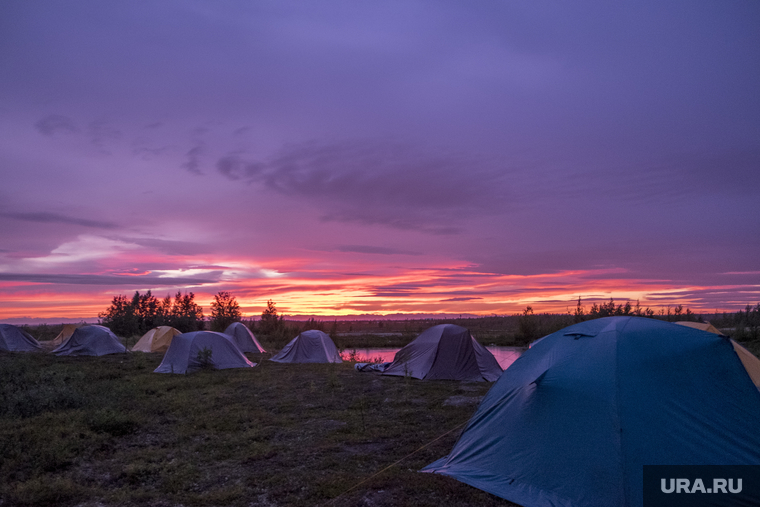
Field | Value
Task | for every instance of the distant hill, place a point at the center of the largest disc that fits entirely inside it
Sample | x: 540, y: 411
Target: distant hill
x: 36, y: 321
x: 392, y: 316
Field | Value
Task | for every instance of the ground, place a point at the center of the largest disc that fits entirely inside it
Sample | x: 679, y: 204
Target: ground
x: 106, y: 431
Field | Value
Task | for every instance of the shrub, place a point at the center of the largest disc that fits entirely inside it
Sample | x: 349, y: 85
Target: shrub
x: 204, y: 358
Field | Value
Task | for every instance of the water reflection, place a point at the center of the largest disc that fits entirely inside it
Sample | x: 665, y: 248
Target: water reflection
x: 504, y: 355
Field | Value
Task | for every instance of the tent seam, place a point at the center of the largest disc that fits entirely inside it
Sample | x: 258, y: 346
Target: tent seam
x: 437, y: 350
x: 617, y: 410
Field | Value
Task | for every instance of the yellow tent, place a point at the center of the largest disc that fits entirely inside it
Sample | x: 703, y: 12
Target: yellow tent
x: 750, y: 362
x: 156, y: 340
x: 65, y: 334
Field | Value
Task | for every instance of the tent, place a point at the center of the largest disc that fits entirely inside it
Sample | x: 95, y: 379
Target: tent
x: 445, y: 352
x: 574, y: 419
x: 704, y: 326
x: 243, y: 338
x: 185, y: 353
x: 749, y: 360
x: 65, y: 334
x: 156, y: 340
x: 90, y: 341
x: 309, y: 347
x: 14, y: 339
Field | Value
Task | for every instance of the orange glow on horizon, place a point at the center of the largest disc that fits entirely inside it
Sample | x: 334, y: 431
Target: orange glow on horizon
x: 452, y: 289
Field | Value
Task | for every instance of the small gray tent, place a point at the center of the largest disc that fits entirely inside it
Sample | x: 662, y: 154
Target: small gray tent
x: 243, y: 338
x: 186, y: 350
x: 309, y: 347
x: 445, y: 352
x: 13, y: 339
x: 90, y: 341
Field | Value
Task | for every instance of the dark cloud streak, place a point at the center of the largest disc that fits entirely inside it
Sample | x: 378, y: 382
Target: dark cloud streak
x: 378, y: 250
x: 172, y: 247
x: 43, y: 217
x: 378, y: 183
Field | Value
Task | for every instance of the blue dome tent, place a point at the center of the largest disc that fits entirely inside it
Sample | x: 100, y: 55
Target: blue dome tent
x: 572, y: 422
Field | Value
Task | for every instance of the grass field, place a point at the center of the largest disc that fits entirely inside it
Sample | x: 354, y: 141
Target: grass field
x: 102, y: 431
x: 106, y: 431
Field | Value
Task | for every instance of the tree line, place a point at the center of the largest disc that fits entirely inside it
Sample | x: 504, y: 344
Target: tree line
x: 609, y: 309
x: 532, y: 326
x: 745, y: 323
x: 142, y: 312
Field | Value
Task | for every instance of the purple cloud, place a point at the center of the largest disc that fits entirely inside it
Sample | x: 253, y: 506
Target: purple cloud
x: 617, y: 142
x: 56, y: 124
x: 192, y: 162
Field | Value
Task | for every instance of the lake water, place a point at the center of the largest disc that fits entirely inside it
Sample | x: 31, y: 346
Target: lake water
x: 504, y: 355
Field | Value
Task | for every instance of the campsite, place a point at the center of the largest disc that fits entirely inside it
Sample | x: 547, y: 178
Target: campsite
x: 286, y: 253
x: 108, y: 431
x: 188, y: 428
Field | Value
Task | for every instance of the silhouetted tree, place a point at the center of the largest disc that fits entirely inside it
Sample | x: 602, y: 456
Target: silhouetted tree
x: 128, y: 317
x: 579, y: 315
x: 186, y: 315
x: 527, y: 325
x: 689, y: 316
x: 224, y: 311
x: 270, y: 322
x: 609, y: 309
x: 120, y: 317
x: 747, y: 323
x: 149, y: 311
x: 312, y: 323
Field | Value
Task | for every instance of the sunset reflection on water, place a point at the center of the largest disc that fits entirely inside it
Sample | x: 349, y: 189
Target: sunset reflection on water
x: 504, y: 355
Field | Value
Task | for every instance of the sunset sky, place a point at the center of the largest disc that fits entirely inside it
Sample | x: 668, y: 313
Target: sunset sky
x: 343, y: 157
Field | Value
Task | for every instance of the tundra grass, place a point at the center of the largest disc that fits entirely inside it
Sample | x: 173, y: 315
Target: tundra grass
x: 107, y: 431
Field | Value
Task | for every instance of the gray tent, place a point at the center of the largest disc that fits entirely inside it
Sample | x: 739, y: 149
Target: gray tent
x: 309, y: 347
x: 445, y: 352
x: 90, y: 341
x: 13, y: 339
x: 185, y: 354
x: 243, y: 338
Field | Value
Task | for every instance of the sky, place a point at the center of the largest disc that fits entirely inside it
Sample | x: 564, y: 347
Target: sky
x: 351, y: 158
